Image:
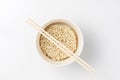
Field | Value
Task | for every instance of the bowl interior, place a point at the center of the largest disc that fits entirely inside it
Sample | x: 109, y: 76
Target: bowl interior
x: 79, y: 46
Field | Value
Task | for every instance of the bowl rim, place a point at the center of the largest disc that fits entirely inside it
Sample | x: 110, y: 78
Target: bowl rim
x: 79, y: 36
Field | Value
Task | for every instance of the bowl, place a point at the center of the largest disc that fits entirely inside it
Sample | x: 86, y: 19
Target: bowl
x: 79, y: 45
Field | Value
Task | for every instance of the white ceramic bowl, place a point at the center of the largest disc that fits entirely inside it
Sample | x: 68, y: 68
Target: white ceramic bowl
x: 79, y: 48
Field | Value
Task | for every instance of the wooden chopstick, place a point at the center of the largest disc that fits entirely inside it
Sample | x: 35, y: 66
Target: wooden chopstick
x: 59, y: 45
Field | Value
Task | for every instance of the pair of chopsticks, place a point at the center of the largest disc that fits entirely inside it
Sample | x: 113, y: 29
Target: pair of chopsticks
x: 60, y: 46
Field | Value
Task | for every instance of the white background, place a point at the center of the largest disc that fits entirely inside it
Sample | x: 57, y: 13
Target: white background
x: 99, y: 21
